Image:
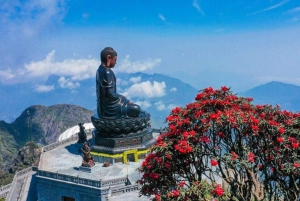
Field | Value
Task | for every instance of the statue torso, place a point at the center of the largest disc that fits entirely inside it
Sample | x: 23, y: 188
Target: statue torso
x: 108, y: 101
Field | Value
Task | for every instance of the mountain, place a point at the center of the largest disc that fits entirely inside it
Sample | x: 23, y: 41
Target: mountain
x: 285, y: 95
x: 47, y: 123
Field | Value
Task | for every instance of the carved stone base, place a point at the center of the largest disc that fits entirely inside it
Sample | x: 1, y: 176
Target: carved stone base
x: 140, y: 141
x: 121, y: 127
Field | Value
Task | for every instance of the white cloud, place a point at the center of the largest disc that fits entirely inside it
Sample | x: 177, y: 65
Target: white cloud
x: 162, y: 17
x: 44, y: 88
x: 197, y: 6
x: 173, y: 89
x: 271, y: 7
x: 160, y: 106
x: 135, y: 79
x: 80, y: 69
x: 31, y: 17
x: 127, y: 66
x: 143, y: 104
x: 122, y: 82
x: 146, y: 90
x: 6, y: 74
x: 67, y: 83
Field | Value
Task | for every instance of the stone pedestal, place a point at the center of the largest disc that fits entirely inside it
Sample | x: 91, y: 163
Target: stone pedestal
x: 113, y: 149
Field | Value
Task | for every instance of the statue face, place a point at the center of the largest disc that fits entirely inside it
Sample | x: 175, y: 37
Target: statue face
x: 111, y: 62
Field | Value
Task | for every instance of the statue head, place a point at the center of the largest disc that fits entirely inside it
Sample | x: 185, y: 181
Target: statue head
x: 109, y: 57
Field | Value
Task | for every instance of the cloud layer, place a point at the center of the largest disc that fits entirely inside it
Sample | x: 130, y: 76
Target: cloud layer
x: 127, y: 66
x: 146, y: 90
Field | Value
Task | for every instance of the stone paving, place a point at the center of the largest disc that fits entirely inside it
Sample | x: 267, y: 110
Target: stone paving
x: 66, y: 160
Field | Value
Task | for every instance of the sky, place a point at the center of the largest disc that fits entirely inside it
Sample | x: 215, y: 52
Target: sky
x: 240, y: 44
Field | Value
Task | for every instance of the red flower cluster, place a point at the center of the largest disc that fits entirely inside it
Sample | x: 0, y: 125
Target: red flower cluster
x: 234, y: 156
x: 153, y: 175
x: 251, y: 157
x: 183, y: 147
x: 218, y: 191
x: 223, y: 127
x: 213, y: 162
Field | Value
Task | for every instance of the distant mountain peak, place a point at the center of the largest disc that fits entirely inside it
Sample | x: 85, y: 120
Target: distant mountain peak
x: 275, y: 92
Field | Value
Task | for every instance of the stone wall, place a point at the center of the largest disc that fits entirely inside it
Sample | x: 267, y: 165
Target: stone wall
x: 54, y: 190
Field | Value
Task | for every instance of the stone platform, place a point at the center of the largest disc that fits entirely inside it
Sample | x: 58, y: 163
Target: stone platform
x: 59, y: 172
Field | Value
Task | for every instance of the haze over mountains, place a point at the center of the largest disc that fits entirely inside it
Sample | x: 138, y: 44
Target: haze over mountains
x: 156, y: 93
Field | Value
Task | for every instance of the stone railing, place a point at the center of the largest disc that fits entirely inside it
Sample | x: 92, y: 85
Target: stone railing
x: 124, y: 189
x: 119, y: 181
x: 4, y: 190
x: 71, y: 179
x: 65, y: 141
x: 83, y: 181
x: 12, y: 185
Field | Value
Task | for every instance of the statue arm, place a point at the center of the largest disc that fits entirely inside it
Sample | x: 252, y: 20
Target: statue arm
x: 109, y: 85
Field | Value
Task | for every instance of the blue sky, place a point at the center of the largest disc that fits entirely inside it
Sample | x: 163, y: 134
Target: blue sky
x: 240, y: 44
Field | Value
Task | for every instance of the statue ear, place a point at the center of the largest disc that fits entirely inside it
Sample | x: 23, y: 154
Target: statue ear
x: 108, y: 58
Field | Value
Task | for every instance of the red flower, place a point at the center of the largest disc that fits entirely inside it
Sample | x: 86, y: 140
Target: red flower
x: 251, y: 157
x: 296, y: 165
x: 249, y: 99
x: 153, y: 175
x: 199, y: 96
x: 218, y: 191
x: 221, y: 135
x: 182, y: 184
x: 295, y: 145
x: 213, y: 162
x: 183, y: 147
x: 209, y: 90
x: 281, y: 130
x: 254, y: 128
x: 224, y: 88
x: 175, y: 193
x: 291, y: 139
x: 198, y: 114
x: 169, y: 156
x: 214, y: 116
x: 205, y: 139
x: 192, y: 133
x: 280, y: 139
x: 157, y: 197
x: 234, y: 156
x: 185, y: 135
x: 176, y: 110
x: 144, y: 163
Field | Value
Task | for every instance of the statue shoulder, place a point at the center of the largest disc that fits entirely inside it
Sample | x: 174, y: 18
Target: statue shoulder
x: 106, y: 76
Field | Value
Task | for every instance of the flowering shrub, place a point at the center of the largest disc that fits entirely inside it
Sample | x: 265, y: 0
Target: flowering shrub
x: 252, y: 150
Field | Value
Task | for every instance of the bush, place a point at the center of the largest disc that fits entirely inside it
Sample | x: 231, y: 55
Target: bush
x: 243, y: 151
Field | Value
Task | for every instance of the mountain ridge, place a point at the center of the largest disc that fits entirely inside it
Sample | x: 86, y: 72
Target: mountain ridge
x: 286, y: 95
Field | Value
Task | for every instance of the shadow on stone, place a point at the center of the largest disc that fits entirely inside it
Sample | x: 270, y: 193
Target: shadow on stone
x: 75, y: 147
